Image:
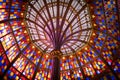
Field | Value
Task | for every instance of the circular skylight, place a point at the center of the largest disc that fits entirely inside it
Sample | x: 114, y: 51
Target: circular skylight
x: 60, y: 25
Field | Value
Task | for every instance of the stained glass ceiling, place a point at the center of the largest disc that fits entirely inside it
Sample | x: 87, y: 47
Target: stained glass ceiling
x: 63, y: 25
x: 21, y: 59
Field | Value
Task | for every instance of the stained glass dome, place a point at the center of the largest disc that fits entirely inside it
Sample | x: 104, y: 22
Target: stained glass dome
x: 86, y: 32
x: 52, y: 25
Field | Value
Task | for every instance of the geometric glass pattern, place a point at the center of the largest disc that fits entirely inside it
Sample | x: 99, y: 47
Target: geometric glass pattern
x: 95, y: 57
x: 63, y: 26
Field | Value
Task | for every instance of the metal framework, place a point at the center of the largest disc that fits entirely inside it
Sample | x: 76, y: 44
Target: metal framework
x: 63, y: 25
x: 59, y: 24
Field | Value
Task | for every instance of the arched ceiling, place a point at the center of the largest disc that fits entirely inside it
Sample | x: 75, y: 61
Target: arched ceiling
x: 20, y: 21
x: 62, y: 25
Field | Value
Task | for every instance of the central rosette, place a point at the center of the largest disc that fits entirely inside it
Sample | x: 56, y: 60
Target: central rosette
x: 59, y: 26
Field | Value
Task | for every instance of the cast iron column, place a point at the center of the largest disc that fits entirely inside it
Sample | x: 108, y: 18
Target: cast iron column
x: 55, y: 72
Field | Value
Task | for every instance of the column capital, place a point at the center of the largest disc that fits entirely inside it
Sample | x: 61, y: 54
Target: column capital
x: 56, y: 53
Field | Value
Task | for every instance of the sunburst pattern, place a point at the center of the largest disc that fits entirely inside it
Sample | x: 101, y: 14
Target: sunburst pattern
x: 62, y: 25
x: 26, y: 24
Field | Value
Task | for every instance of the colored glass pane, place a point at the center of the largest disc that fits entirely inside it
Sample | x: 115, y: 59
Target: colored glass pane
x: 8, y: 41
x: 29, y: 70
x: 3, y: 63
x: 46, y: 62
x: 20, y: 63
x: 12, y: 52
x: 4, y: 29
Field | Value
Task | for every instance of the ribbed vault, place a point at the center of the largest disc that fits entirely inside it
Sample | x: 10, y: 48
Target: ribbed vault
x: 59, y: 39
x: 61, y: 25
